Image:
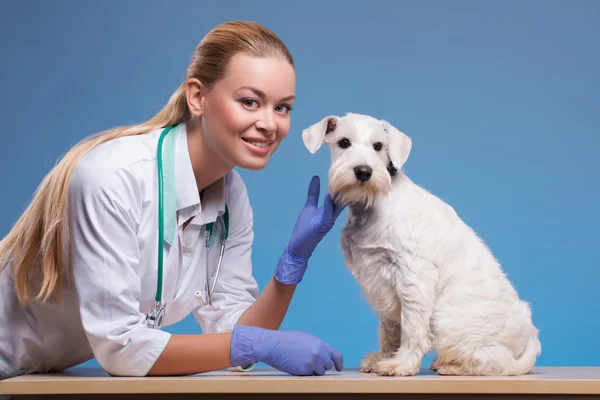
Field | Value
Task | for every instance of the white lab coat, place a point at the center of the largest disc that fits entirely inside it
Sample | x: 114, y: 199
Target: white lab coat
x: 114, y: 264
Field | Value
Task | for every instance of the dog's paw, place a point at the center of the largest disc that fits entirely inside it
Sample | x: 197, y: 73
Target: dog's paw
x: 368, y: 364
x: 449, y: 369
x: 394, y: 367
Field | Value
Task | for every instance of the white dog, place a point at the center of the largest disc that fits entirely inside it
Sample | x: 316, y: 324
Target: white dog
x: 432, y: 281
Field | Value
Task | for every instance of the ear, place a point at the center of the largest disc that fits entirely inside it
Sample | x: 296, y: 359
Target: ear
x: 315, y: 135
x: 399, y: 146
x: 194, y: 93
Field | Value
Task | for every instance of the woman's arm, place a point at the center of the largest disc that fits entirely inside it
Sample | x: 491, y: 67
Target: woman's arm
x: 298, y: 352
x: 312, y: 225
x: 271, y: 306
x: 194, y: 354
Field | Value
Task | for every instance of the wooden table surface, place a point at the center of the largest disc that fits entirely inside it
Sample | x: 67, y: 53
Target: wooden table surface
x: 94, y: 381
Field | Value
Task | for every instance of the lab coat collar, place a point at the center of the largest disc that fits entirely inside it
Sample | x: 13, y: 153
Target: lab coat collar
x: 188, y: 198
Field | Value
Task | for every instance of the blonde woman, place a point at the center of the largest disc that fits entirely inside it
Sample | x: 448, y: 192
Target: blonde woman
x: 80, y: 270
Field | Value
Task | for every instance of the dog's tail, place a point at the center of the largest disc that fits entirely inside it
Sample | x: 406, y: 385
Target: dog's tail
x: 498, y: 360
x: 526, y: 360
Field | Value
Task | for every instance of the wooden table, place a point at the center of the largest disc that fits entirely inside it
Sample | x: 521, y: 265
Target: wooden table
x: 93, y: 383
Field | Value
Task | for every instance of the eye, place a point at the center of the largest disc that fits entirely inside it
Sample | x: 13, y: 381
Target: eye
x: 249, y: 102
x: 284, y: 108
x: 344, y: 143
x: 377, y: 146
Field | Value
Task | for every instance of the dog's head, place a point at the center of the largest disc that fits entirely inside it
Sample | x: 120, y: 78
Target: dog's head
x: 365, y: 155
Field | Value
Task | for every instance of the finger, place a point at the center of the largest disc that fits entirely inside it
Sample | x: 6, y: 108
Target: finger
x: 320, y: 369
x: 328, y: 363
x: 338, y: 359
x: 328, y: 208
x: 314, y: 189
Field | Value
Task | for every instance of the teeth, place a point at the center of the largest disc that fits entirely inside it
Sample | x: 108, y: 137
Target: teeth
x: 258, y: 144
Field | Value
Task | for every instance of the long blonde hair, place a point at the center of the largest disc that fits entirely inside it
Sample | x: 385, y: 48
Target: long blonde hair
x: 36, y: 245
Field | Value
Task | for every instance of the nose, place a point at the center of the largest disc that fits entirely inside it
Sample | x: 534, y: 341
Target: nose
x: 267, y: 123
x: 363, y: 172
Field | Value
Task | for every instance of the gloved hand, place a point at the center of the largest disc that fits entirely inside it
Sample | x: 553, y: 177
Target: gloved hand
x: 293, y: 352
x: 312, y: 225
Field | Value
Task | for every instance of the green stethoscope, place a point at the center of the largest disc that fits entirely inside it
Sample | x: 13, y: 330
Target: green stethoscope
x: 156, y: 316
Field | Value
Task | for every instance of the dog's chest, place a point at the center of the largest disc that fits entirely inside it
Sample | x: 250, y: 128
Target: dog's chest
x: 373, y: 262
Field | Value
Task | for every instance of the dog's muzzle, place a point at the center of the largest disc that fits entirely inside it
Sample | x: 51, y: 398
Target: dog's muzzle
x: 363, y: 172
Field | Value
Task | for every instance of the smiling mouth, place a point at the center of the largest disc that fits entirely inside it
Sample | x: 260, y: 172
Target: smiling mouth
x: 257, y: 143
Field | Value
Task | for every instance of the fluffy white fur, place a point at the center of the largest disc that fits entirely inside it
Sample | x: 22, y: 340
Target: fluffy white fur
x: 433, y: 282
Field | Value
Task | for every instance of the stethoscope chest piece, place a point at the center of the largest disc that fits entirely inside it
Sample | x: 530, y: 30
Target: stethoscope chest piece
x: 156, y: 316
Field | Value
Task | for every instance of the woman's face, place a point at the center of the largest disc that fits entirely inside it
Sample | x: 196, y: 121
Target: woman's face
x: 246, y: 114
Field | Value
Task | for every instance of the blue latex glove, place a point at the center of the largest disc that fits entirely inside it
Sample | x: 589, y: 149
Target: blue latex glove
x: 293, y: 352
x: 311, y: 227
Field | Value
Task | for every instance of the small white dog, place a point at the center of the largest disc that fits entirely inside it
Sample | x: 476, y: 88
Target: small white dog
x: 432, y: 281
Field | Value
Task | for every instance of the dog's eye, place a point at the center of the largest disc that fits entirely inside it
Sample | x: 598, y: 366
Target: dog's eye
x: 377, y: 146
x: 344, y: 143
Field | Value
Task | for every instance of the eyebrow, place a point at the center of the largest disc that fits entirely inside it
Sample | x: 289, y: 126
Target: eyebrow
x: 260, y: 93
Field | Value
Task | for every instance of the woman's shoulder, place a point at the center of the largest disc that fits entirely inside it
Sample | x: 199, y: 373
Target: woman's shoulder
x: 114, y: 165
x: 121, y: 152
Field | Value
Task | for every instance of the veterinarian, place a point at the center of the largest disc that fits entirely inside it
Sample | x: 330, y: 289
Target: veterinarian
x: 139, y: 226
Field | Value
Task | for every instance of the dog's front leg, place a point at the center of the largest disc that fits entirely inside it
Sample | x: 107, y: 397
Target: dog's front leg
x: 415, y: 283
x: 389, y: 341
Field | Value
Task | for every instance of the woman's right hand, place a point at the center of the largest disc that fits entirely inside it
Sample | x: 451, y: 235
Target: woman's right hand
x: 312, y: 225
x: 293, y: 352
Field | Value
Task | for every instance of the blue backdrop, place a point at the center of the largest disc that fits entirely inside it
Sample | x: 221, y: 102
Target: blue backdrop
x: 501, y: 100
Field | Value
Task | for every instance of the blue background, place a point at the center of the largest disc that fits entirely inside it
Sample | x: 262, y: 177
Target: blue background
x: 500, y: 98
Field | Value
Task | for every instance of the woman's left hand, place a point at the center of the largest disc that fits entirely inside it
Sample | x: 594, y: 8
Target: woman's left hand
x: 311, y: 227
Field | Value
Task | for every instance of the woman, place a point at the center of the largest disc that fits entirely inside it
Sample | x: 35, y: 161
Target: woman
x: 79, y: 270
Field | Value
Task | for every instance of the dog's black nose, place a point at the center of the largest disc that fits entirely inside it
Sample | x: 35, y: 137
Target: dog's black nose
x: 363, y: 172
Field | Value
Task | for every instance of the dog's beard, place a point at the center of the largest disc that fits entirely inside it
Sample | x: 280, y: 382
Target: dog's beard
x: 346, y: 189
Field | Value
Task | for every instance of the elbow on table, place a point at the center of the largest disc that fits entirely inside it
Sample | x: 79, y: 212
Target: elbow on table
x: 133, y: 358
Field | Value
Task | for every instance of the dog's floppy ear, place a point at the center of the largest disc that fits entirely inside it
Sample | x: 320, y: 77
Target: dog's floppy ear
x: 314, y: 135
x: 399, y: 146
